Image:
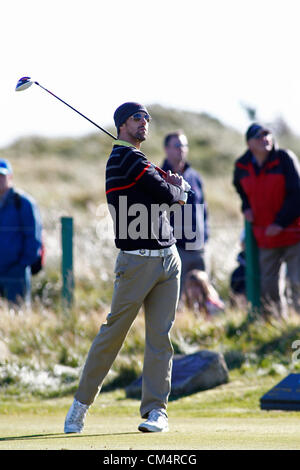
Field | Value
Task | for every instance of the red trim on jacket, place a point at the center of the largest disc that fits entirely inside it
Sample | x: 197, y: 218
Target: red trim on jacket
x: 119, y: 188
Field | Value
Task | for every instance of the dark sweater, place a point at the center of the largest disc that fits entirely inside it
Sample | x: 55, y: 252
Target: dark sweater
x: 135, y: 191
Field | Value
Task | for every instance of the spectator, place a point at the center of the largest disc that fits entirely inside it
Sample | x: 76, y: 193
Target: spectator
x: 20, y: 238
x: 268, y: 181
x: 191, y: 250
x: 238, y: 278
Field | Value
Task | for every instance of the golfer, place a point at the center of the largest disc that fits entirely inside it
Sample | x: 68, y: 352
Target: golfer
x: 147, y: 273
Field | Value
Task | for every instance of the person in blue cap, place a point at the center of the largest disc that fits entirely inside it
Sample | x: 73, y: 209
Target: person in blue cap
x: 20, y: 238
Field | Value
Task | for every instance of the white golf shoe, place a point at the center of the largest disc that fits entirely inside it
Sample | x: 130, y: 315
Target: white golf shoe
x: 74, y: 421
x: 157, y: 421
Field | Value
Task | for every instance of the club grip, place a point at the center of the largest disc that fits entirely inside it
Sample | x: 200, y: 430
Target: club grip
x: 162, y: 172
x: 164, y: 175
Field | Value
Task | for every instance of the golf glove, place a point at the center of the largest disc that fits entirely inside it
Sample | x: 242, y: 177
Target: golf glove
x: 185, y: 185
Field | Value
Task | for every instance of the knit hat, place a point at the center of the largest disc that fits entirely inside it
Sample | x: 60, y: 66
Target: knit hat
x: 123, y: 112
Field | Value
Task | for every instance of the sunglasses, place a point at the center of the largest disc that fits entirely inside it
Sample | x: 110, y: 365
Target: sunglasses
x: 139, y: 116
x: 180, y: 145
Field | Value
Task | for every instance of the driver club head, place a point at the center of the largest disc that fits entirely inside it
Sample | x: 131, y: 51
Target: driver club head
x: 23, y: 83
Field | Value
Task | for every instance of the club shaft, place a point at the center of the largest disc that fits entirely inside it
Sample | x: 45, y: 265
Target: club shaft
x: 76, y: 111
x: 162, y: 172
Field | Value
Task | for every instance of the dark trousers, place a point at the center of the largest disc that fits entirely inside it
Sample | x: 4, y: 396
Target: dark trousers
x: 272, y: 284
x: 16, y: 289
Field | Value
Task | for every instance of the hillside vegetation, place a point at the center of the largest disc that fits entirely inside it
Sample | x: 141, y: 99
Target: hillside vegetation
x: 213, y: 148
x: 66, y: 177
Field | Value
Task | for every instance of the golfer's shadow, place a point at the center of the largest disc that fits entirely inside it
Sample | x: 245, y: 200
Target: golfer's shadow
x: 64, y: 436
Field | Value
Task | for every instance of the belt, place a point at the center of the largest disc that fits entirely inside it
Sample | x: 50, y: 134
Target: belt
x: 153, y: 253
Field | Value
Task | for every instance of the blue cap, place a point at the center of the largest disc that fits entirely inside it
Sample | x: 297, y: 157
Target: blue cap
x: 254, y: 130
x: 5, y: 168
x: 123, y: 112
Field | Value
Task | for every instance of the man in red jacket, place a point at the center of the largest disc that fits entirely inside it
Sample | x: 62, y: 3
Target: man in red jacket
x: 268, y: 181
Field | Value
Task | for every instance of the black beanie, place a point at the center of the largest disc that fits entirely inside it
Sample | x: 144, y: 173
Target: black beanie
x: 123, y: 112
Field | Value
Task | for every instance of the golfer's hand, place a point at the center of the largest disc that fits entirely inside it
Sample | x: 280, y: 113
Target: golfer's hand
x: 176, y: 180
x: 248, y: 214
x: 186, y: 186
x: 273, y: 230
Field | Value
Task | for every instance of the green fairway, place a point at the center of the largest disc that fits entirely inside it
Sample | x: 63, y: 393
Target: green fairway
x: 42, y: 433
x: 227, y: 417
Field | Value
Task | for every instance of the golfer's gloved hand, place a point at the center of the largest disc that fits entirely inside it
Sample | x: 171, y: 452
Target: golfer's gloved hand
x: 176, y: 180
x: 186, y: 186
x: 183, y: 197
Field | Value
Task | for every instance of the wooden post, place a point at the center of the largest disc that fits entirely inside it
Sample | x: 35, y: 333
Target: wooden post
x: 252, y: 269
x: 67, y: 260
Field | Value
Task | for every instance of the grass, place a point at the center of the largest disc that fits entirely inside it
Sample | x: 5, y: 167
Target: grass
x: 227, y: 417
x: 120, y: 433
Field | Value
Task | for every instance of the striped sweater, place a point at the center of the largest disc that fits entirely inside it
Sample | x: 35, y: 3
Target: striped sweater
x: 135, y: 191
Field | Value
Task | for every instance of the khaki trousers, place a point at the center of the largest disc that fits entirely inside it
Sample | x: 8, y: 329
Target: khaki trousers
x: 154, y: 283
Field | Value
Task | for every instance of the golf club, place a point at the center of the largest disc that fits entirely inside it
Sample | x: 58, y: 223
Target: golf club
x: 26, y: 82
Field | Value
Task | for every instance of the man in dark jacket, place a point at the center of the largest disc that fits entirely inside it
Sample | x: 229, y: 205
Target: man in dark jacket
x: 192, y: 234
x: 20, y: 238
x: 268, y: 181
x: 147, y: 272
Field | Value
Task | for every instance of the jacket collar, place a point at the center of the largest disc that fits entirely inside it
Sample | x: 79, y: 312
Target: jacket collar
x: 166, y: 166
x: 124, y: 143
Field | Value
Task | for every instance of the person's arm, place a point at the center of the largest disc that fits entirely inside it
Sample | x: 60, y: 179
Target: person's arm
x: 245, y: 206
x: 32, y: 232
x: 290, y: 208
x: 198, y: 197
x: 169, y: 190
